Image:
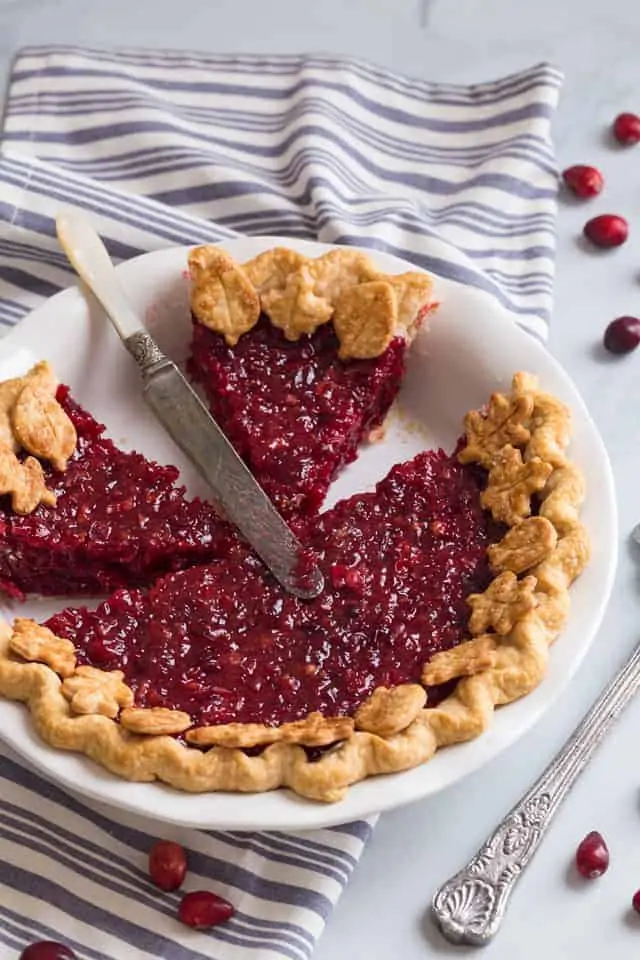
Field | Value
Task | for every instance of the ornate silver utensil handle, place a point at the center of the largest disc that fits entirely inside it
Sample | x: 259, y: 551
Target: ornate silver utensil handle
x: 469, y: 907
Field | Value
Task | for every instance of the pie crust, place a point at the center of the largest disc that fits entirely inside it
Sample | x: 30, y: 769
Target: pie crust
x: 298, y: 295
x: 519, y: 439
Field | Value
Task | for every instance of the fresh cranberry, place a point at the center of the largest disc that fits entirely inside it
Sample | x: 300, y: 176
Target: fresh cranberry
x: 622, y: 335
x: 607, y: 230
x: 47, y: 950
x: 626, y: 128
x: 583, y: 181
x: 592, y: 856
x: 202, y: 909
x: 635, y: 902
x: 167, y: 864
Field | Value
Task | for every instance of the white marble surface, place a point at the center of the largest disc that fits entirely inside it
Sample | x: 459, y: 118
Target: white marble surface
x: 596, y: 44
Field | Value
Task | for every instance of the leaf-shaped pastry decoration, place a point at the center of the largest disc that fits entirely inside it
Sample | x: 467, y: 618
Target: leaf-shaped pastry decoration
x: 223, y: 298
x: 39, y: 423
x: 95, y: 691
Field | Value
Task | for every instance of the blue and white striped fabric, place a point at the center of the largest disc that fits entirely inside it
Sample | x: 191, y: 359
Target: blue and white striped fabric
x: 460, y: 180
x: 172, y: 148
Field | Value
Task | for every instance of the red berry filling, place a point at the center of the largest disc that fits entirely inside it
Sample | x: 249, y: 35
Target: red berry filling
x: 119, y: 520
x: 225, y: 643
x: 294, y: 411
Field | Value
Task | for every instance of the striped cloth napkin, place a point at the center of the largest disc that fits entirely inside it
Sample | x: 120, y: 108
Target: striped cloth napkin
x: 166, y: 148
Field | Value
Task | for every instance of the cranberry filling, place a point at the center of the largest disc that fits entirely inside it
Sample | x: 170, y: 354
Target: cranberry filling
x: 120, y: 520
x: 225, y: 643
x: 294, y: 411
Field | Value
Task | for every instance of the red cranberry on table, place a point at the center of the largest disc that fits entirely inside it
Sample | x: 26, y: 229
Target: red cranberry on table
x: 583, y: 181
x: 622, y: 335
x: 47, y: 950
x: 592, y: 856
x: 607, y: 230
x: 202, y: 910
x: 167, y: 864
x: 635, y: 902
x: 626, y: 128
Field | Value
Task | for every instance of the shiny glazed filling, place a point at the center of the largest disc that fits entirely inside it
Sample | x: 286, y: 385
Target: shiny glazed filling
x: 225, y: 643
x: 294, y: 411
x: 120, y: 520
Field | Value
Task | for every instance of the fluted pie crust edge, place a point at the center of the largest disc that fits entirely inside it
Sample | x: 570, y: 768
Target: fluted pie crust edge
x: 520, y: 439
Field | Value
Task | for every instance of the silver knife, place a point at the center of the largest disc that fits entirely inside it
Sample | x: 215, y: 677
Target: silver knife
x: 187, y: 420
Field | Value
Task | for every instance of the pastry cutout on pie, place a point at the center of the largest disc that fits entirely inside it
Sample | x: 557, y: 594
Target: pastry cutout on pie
x: 297, y: 393
x: 223, y: 298
x: 299, y: 295
x: 318, y: 695
x: 109, y: 519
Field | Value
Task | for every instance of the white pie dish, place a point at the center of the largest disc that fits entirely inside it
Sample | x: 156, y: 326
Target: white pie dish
x: 471, y: 349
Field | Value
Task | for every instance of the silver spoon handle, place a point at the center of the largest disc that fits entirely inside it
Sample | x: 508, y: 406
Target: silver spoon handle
x: 469, y: 907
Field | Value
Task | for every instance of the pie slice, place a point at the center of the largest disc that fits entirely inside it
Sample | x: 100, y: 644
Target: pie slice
x: 445, y: 588
x: 81, y: 516
x: 300, y: 359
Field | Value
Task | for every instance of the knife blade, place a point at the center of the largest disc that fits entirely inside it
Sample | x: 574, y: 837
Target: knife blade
x: 178, y: 407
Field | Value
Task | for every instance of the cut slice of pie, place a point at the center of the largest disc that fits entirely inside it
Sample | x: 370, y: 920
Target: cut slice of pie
x: 398, y: 563
x: 300, y: 359
x: 78, y: 515
x: 445, y: 588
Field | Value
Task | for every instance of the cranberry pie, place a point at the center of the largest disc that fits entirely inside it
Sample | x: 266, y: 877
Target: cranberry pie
x: 444, y: 587
x: 81, y: 516
x: 296, y: 393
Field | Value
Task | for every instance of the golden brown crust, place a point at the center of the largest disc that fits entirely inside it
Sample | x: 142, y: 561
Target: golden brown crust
x: 33, y: 642
x: 24, y: 480
x: 90, y: 690
x: 505, y: 423
x: 525, y: 545
x: 338, y: 270
x: 299, y: 295
x: 413, y: 294
x: 314, y: 731
x: 516, y: 619
x: 505, y: 601
x: 365, y: 319
x: 296, y: 309
x: 156, y: 721
x: 40, y: 425
x: 389, y: 710
x: 511, y: 483
x: 271, y: 269
x: 9, y: 393
x: 32, y: 420
x: 467, y: 658
x: 222, y: 297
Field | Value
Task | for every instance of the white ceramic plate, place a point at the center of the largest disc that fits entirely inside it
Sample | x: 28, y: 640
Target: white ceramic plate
x: 471, y: 349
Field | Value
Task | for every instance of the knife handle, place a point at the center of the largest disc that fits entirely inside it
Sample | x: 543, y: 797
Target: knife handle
x: 147, y: 354
x: 88, y: 256
x: 469, y: 907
